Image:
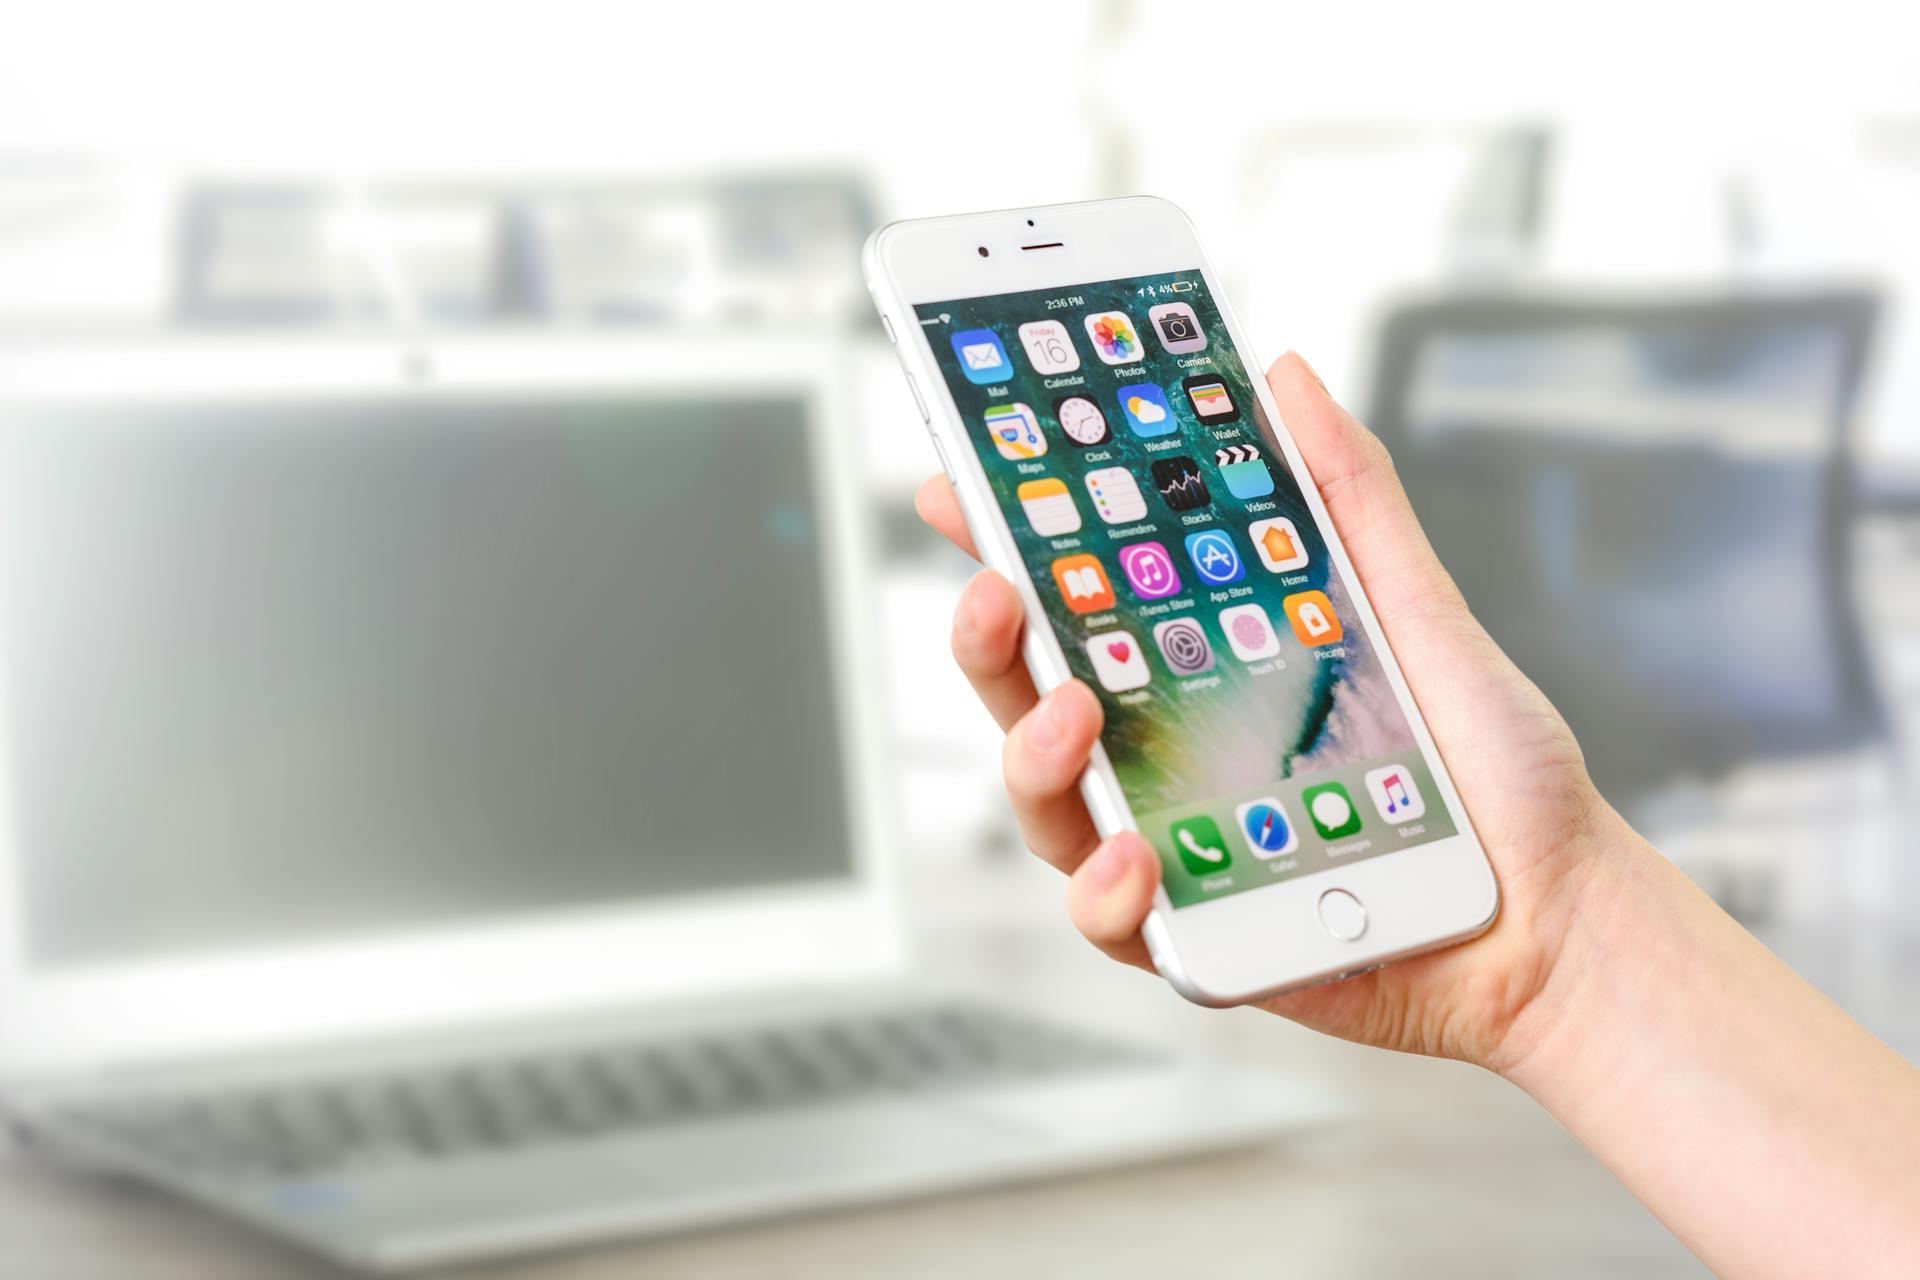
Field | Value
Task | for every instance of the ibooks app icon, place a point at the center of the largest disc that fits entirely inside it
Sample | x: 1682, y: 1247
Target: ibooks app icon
x: 1083, y: 583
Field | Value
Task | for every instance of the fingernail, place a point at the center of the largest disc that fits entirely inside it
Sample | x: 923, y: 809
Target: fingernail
x: 1106, y: 867
x: 1045, y: 726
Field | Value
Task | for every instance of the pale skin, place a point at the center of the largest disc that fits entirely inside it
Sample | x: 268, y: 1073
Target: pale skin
x: 1770, y: 1132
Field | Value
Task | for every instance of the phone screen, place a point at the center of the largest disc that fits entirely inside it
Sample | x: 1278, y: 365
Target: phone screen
x: 1251, y: 725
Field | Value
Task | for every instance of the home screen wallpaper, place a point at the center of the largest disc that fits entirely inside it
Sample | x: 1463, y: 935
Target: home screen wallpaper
x: 1250, y: 723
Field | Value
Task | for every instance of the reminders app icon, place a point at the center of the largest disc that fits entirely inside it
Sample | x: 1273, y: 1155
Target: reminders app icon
x: 981, y: 356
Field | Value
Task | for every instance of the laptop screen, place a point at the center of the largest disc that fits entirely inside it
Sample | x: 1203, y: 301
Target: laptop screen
x: 281, y: 673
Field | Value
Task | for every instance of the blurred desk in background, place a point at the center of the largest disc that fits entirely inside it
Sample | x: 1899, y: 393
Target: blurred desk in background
x: 1440, y: 1170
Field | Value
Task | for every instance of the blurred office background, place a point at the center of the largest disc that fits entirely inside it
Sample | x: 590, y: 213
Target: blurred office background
x: 1628, y: 289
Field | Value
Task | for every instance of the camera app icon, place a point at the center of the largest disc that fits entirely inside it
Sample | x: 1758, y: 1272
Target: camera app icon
x: 1179, y: 329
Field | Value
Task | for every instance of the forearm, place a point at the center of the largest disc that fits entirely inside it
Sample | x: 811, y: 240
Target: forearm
x: 1767, y: 1129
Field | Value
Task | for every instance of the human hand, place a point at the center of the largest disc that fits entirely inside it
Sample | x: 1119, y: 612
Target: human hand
x: 1514, y: 761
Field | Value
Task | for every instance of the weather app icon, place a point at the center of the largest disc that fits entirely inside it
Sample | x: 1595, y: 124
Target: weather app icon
x: 1147, y: 410
x: 1214, y: 557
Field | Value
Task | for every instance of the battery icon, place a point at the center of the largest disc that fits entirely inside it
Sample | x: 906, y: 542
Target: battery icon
x: 1181, y: 286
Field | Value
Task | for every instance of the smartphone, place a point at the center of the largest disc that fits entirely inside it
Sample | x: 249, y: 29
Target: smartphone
x: 1120, y: 460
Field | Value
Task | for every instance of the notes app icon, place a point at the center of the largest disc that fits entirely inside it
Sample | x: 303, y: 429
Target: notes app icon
x: 1049, y: 507
x: 1083, y: 583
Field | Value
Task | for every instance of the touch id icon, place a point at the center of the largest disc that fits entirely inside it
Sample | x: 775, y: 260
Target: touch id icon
x: 1314, y: 621
x: 1118, y: 662
x: 1395, y: 794
x: 1268, y: 832
x: 1249, y: 632
x: 1083, y: 583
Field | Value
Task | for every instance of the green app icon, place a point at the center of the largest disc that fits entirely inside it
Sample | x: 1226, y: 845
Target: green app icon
x: 1331, y: 809
x: 1202, y: 851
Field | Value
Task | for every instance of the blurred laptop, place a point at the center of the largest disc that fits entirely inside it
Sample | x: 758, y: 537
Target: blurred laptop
x: 441, y: 813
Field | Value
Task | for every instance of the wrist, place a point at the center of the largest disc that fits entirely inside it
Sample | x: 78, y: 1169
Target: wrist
x: 1592, y: 937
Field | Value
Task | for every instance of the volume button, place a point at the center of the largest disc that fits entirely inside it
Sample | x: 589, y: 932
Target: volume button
x: 945, y: 466
x: 918, y: 402
x: 888, y: 326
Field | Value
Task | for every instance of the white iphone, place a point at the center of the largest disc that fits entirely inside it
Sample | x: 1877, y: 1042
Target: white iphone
x: 1120, y: 460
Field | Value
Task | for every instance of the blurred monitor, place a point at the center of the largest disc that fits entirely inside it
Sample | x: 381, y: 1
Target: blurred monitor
x: 327, y: 648
x: 1647, y: 504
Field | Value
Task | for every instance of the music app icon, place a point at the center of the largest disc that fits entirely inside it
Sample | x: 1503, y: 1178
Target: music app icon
x: 1149, y: 570
x: 1395, y: 794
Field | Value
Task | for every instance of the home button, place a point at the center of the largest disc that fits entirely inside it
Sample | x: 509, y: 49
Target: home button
x: 1342, y: 914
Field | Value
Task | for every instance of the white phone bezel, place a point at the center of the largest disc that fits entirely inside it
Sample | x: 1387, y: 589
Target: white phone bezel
x: 1246, y: 945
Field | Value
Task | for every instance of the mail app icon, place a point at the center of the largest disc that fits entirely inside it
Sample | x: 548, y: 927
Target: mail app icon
x: 982, y: 358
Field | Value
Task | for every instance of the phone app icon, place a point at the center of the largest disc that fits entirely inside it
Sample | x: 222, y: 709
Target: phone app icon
x: 1331, y: 809
x: 1114, y: 339
x: 1118, y: 662
x: 1180, y: 483
x: 1214, y: 557
x: 982, y: 358
x: 1178, y: 327
x: 1083, y: 583
x: 1212, y: 402
x: 1049, y: 346
x: 1149, y: 569
x: 1249, y: 632
x: 1395, y: 794
x: 1147, y: 410
x: 1081, y: 420
x: 1244, y: 470
x: 1197, y: 841
x: 1184, y: 646
x: 1279, y: 545
x: 1264, y: 823
x: 1314, y: 621
x: 1116, y: 495
x: 1015, y: 431
x: 1049, y: 507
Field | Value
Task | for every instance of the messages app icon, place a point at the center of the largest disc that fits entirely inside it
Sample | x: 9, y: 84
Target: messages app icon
x: 981, y: 356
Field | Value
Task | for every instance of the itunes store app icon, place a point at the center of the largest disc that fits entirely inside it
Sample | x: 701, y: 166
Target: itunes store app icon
x: 1149, y: 570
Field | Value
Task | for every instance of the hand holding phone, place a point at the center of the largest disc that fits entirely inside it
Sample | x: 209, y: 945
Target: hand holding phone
x: 1516, y: 763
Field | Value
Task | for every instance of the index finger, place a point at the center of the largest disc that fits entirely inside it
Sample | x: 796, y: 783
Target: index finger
x: 938, y: 507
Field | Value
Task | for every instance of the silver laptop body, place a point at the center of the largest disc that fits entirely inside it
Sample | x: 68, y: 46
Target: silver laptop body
x: 441, y: 808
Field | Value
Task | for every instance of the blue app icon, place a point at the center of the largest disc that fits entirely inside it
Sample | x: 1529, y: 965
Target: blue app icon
x: 982, y: 358
x: 1264, y: 824
x: 1214, y: 557
x: 1147, y: 410
x: 1244, y: 470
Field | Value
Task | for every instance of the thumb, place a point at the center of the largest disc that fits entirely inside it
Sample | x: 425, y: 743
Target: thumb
x: 1357, y: 481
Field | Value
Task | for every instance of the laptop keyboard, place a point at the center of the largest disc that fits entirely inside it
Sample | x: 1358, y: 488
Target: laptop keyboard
x: 451, y: 1110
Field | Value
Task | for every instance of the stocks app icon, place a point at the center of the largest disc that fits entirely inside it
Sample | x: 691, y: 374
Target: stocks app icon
x: 1180, y: 483
x: 1184, y: 645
